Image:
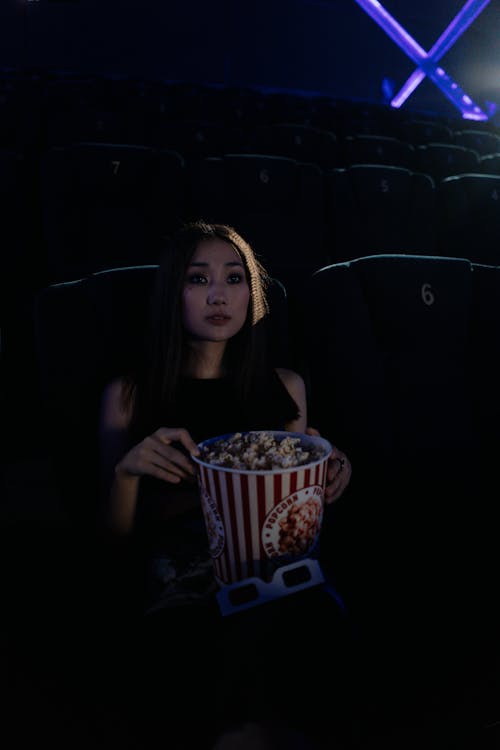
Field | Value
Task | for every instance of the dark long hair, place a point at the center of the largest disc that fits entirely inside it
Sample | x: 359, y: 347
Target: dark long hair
x: 153, y: 388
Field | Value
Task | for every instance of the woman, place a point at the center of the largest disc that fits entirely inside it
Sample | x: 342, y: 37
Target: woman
x: 205, y: 373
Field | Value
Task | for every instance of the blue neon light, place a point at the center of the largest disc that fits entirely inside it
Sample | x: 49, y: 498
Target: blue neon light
x: 427, y: 62
x: 456, y: 28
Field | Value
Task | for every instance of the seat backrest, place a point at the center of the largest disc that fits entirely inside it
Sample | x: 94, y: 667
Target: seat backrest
x: 376, y: 149
x: 444, y: 159
x: 346, y: 117
x: 195, y: 139
x: 283, y: 106
x: 482, y: 141
x: 303, y: 143
x: 420, y: 131
x: 490, y: 163
x: 391, y: 352
x: 469, y: 217
x: 106, y: 205
x: 275, y: 202
x: 486, y: 365
x: 485, y: 393
x: 373, y: 208
x: 87, y: 122
x: 88, y: 332
x: 386, y: 343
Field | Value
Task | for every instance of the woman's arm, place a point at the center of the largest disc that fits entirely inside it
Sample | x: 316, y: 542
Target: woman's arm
x: 295, y: 386
x: 119, y: 491
x: 121, y: 469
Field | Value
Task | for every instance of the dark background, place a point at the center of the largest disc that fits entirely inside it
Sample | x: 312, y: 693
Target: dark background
x: 330, y: 47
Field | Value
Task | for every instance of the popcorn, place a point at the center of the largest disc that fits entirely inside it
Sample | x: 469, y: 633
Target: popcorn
x: 254, y: 451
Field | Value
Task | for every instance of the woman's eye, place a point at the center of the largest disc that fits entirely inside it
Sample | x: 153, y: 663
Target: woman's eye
x: 196, y: 278
x: 235, y: 278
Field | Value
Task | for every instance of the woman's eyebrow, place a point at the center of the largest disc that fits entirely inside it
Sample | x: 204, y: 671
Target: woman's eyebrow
x: 228, y: 263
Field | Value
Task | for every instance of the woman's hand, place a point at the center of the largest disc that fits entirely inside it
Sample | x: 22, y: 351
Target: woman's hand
x: 338, y: 474
x: 158, y: 457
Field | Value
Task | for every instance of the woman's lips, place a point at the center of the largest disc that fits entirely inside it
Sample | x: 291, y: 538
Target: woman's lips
x: 218, y: 320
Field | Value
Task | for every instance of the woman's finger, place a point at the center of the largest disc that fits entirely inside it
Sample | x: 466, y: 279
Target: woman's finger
x: 170, y: 435
x: 312, y: 431
x: 176, y: 451
x: 338, y: 475
x: 173, y: 460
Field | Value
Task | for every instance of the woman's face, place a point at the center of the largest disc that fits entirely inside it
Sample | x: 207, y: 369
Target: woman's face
x: 216, y: 293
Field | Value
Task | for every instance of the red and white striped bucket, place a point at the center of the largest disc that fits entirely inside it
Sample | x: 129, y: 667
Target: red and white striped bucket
x: 259, y: 520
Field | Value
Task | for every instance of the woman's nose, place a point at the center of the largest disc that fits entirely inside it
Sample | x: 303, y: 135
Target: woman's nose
x: 216, y: 295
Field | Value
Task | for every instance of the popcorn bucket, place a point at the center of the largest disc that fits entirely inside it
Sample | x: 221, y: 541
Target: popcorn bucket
x: 259, y: 520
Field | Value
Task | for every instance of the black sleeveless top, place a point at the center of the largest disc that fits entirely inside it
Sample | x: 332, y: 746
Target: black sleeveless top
x: 208, y: 408
x: 179, y: 569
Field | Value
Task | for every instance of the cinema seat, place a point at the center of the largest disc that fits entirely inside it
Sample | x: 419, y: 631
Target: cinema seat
x: 469, y: 217
x: 419, y: 131
x: 374, y: 208
x: 386, y: 348
x: 376, y: 149
x: 106, y: 205
x: 346, y: 117
x: 84, y: 109
x: 482, y: 141
x: 441, y: 160
x: 275, y: 202
x: 303, y: 143
x: 486, y: 366
x: 87, y: 331
x: 196, y: 139
x: 490, y: 164
x: 485, y: 394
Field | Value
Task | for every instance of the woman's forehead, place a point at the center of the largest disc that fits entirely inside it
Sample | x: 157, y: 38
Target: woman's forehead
x: 216, y: 251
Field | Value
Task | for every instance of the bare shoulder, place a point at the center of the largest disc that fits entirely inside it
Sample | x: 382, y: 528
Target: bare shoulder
x: 291, y: 379
x: 115, y: 409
